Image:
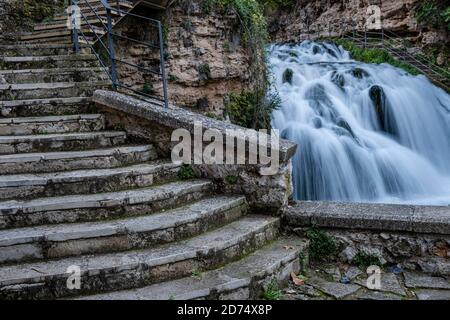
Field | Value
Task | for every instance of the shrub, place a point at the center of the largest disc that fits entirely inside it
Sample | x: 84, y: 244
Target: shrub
x: 321, y: 244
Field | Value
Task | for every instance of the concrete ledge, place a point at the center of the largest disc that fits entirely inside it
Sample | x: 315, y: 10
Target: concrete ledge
x: 175, y: 117
x: 383, y: 217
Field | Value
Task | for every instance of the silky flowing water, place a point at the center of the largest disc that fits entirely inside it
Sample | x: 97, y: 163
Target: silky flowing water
x: 366, y: 132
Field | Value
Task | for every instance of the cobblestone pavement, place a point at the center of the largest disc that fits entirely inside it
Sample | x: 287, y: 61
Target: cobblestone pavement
x: 337, y: 282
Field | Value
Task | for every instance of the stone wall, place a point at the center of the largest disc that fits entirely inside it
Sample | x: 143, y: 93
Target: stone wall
x: 327, y: 17
x: 412, y: 237
x: 144, y: 121
x: 205, y: 57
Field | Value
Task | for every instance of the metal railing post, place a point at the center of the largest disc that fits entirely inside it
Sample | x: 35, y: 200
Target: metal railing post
x: 163, y: 68
x: 73, y: 24
x: 112, y: 54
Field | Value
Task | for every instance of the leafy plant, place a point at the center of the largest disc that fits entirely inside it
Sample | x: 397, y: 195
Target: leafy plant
x: 148, y: 88
x: 321, y: 244
x: 434, y: 13
x: 196, y: 274
x: 186, y: 172
x: 204, y: 71
x: 272, y: 291
x: 231, y: 179
x: 364, y: 260
x: 376, y: 56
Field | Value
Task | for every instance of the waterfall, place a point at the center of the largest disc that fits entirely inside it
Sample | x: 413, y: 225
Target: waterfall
x: 365, y: 132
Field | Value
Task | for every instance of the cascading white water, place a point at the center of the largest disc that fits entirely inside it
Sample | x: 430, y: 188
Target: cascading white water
x: 366, y: 133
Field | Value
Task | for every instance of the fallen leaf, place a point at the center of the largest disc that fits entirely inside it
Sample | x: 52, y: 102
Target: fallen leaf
x: 297, y: 280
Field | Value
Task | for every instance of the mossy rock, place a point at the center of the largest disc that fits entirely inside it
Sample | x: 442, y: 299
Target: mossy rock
x: 288, y: 76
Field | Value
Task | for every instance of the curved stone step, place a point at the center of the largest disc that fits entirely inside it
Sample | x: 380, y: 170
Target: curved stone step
x: 46, y: 107
x: 46, y: 62
x: 39, y: 50
x: 76, y: 160
x: 27, y: 91
x: 60, y: 241
x: 242, y: 280
x: 51, y: 124
x: 54, y: 75
x: 131, y: 269
x: 91, y: 207
x: 60, y: 141
x: 26, y: 186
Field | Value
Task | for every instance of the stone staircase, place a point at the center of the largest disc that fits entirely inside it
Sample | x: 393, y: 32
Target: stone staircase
x: 75, y: 193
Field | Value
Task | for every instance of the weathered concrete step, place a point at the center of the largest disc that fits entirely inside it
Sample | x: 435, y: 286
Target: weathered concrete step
x: 75, y: 160
x: 60, y: 141
x: 44, y: 35
x: 61, y: 241
x: 51, y: 124
x: 80, y: 208
x: 131, y: 269
x: 62, y: 24
x: 46, y: 62
x: 58, y: 18
x: 242, y: 280
x: 26, y: 91
x: 46, y: 107
x: 26, y: 186
x: 53, y: 75
x: 39, y: 50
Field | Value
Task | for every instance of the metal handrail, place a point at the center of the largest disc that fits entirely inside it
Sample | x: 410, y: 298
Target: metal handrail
x: 110, y: 46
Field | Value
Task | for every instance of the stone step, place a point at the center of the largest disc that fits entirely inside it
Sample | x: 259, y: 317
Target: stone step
x: 76, y: 160
x: 47, y: 62
x: 60, y: 141
x: 36, y: 185
x: 27, y: 91
x: 138, y: 268
x: 62, y: 24
x: 62, y: 241
x: 45, y: 35
x: 62, y: 17
x: 53, y: 75
x: 46, y: 107
x: 51, y: 124
x: 39, y: 50
x: 100, y: 206
x: 245, y: 279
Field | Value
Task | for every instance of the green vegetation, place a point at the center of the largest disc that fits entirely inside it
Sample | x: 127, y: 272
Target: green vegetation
x: 196, y: 275
x: 364, y: 260
x: 322, y: 245
x: 186, y: 172
x: 434, y: 13
x: 231, y: 179
x: 148, y: 89
x: 242, y: 111
x: 204, y: 71
x: 272, y: 291
x: 374, y: 56
x: 36, y: 11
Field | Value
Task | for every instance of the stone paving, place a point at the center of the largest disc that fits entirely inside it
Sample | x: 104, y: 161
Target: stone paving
x: 343, y: 282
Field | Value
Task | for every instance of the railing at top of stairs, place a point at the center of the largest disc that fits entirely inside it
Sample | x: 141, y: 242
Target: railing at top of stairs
x: 399, y: 49
x: 98, y: 45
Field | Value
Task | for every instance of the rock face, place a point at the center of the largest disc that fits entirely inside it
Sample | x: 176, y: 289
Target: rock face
x: 327, y: 17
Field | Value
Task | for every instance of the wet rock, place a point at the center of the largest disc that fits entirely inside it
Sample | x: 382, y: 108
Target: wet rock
x: 433, y: 294
x: 353, y: 272
x: 379, y: 296
x: 335, y: 290
x: 344, y: 124
x: 385, y: 119
x: 348, y: 254
x: 415, y: 280
x: 389, y: 283
x: 288, y: 75
x: 359, y: 73
x: 338, y: 79
x: 317, y: 122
